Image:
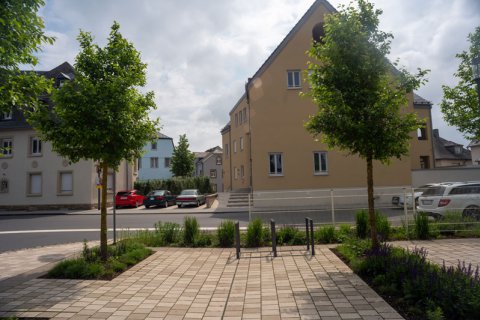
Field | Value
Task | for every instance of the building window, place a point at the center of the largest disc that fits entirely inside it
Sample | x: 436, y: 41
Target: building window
x: 241, y: 143
x: 7, y: 115
x: 240, y: 115
x: 276, y: 164
x: 458, y: 149
x: 235, y: 173
x: 422, y: 133
x: 213, y: 173
x: 234, y: 146
x: 154, y: 162
x: 320, y: 163
x: 154, y: 145
x: 34, y: 184
x: 245, y: 114
x: 6, y: 147
x: 4, y: 185
x: 35, y: 146
x: 167, y: 162
x: 424, y: 162
x: 293, y: 79
x: 65, y: 182
x: 139, y: 161
x: 236, y: 119
x: 242, y: 171
x: 219, y: 161
x: 226, y: 150
x: 214, y: 187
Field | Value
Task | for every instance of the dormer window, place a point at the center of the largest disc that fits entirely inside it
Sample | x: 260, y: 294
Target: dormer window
x: 61, y: 82
x: 458, y: 149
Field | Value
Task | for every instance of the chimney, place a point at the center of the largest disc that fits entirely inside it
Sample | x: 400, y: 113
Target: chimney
x: 435, y: 133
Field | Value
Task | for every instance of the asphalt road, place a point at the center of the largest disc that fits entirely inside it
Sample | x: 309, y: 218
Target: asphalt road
x: 33, y: 230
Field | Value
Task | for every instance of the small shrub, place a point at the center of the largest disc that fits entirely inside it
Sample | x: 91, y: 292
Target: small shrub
x: 422, y: 228
x: 383, y: 226
x: 286, y: 235
x: 191, y: 229
x: 226, y: 234
x: 344, y: 233
x: 204, y: 239
x: 255, y: 233
x: 325, y: 234
x: 362, y: 223
x: 169, y: 232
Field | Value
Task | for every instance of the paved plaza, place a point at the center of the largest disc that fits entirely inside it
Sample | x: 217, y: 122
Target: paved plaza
x: 192, y: 283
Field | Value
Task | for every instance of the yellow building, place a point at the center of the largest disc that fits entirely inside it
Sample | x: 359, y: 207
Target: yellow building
x: 266, y: 146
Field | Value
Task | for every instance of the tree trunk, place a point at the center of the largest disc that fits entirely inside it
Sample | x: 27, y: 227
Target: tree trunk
x: 371, y: 203
x: 103, y: 215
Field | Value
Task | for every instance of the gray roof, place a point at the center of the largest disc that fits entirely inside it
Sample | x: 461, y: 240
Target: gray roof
x: 419, y: 100
x: 18, y: 121
x: 445, y: 150
x: 162, y: 136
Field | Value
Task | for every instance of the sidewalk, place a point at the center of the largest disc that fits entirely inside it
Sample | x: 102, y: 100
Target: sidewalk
x: 186, y: 283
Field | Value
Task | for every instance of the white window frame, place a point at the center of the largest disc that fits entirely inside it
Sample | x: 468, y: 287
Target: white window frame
x: 213, y: 173
x: 61, y: 191
x: 293, y: 79
x: 39, y: 143
x: 167, y: 162
x: 7, y: 115
x: 219, y: 161
x: 235, y: 173
x: 6, y: 145
x: 318, y: 155
x: 277, y: 156
x: 154, y: 163
x: 234, y: 146
x: 30, y: 192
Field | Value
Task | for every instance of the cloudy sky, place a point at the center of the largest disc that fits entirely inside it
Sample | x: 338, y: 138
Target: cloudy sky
x: 201, y: 52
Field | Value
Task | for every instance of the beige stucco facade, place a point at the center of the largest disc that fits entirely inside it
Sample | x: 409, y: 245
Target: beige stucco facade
x: 48, y: 168
x: 274, y: 124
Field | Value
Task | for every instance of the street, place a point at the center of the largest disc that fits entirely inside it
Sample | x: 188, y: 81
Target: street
x: 32, y: 230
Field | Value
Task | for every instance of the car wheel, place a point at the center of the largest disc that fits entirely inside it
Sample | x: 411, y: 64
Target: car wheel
x: 179, y: 205
x: 147, y: 206
x: 198, y: 203
x: 166, y: 204
x: 117, y: 207
x: 472, y: 212
x: 136, y: 204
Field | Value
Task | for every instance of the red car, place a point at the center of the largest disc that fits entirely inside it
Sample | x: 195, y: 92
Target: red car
x: 129, y: 198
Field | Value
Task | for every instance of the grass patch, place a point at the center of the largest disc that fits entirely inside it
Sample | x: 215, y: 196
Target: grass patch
x: 121, y: 256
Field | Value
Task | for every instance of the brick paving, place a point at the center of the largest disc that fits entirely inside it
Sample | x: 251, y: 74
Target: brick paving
x: 449, y: 251
x: 185, y: 283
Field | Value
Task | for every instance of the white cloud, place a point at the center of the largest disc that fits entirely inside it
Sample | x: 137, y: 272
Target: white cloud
x: 201, y: 52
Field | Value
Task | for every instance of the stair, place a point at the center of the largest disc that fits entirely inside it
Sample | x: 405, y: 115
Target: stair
x: 238, y: 199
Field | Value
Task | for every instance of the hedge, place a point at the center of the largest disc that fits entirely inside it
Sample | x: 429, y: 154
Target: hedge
x: 175, y: 185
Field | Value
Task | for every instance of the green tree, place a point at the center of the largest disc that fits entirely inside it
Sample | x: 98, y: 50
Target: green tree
x: 21, y: 38
x: 460, y: 104
x: 182, y: 159
x: 358, y: 92
x: 101, y: 115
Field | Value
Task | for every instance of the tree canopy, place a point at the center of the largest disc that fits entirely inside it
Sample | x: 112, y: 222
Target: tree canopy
x: 22, y: 36
x: 182, y: 159
x: 360, y: 95
x: 100, y: 115
x: 460, y: 106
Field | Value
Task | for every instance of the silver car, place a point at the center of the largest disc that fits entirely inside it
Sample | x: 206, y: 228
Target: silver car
x: 441, y: 198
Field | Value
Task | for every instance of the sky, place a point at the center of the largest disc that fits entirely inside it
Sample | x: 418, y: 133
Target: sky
x: 201, y: 52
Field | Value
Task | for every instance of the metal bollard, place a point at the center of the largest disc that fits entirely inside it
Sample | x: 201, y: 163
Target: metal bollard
x: 274, y: 237
x: 312, y: 237
x: 237, y: 238
x: 307, y: 236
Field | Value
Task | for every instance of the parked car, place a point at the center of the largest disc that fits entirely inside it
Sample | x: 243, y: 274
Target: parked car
x: 190, y: 197
x: 441, y: 198
x: 159, y: 198
x: 398, y: 200
x: 129, y: 198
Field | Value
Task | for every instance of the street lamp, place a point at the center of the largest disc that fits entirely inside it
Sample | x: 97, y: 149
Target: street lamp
x: 476, y: 75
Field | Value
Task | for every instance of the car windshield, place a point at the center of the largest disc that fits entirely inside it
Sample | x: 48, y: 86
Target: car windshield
x: 188, y: 192
x: 156, y: 193
x: 123, y: 193
x: 434, y: 191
